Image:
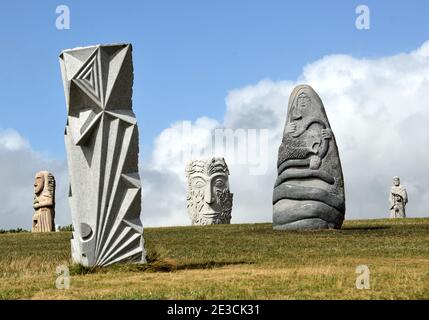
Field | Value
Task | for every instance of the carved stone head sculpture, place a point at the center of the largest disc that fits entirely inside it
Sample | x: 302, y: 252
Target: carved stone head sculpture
x: 44, y: 202
x: 309, y: 190
x: 209, y: 200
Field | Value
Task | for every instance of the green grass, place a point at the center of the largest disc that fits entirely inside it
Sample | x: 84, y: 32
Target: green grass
x: 232, y: 262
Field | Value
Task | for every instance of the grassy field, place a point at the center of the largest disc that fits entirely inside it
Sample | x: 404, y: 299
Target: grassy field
x: 232, y: 262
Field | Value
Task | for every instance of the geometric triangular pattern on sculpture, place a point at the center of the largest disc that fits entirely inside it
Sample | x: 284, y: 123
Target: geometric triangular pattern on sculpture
x: 125, y: 115
x: 125, y: 247
x: 88, y: 78
x: 116, y: 154
x: 115, y: 201
x: 132, y: 179
x: 87, y: 127
x: 131, y: 201
x: 128, y: 198
x: 111, y: 166
x: 102, y: 151
x: 119, y: 91
x: 117, y: 79
x: 81, y: 54
x: 74, y: 59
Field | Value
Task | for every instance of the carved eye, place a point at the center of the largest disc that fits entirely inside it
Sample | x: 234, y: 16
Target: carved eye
x: 303, y: 101
x: 220, y: 183
x: 198, y: 183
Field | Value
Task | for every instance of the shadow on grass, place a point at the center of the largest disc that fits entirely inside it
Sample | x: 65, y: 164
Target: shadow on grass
x: 210, y: 265
x: 162, y: 265
x: 155, y: 263
x: 366, y: 228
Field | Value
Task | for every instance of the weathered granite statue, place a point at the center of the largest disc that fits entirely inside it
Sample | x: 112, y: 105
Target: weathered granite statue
x: 102, y: 146
x: 209, y: 200
x: 44, y: 202
x: 398, y: 199
x: 309, y: 190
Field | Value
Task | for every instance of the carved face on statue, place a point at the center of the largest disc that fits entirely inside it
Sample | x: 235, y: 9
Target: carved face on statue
x: 396, y: 181
x: 44, y: 186
x: 209, y: 200
x: 302, y: 108
x: 39, y: 183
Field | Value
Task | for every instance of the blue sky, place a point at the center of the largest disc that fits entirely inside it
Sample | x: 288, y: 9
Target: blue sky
x: 228, y: 64
x: 187, y: 54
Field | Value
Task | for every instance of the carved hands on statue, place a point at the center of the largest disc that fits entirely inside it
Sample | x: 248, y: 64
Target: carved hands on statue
x: 291, y: 127
x: 315, y: 162
x: 327, y: 134
x: 45, y: 202
x: 36, y: 203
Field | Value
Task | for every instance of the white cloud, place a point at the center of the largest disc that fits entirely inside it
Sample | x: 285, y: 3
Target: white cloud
x: 11, y: 140
x: 378, y: 110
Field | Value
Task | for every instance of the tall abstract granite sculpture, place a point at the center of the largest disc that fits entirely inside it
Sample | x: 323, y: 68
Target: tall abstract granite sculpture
x: 101, y: 140
x: 309, y: 190
x: 44, y: 202
x: 398, y: 199
x: 209, y: 199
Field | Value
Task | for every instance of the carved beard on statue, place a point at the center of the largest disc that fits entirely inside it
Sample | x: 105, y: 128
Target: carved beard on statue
x: 209, y: 200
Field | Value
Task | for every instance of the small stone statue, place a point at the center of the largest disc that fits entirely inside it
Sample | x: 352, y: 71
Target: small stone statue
x: 44, y: 202
x: 209, y: 200
x: 398, y: 199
